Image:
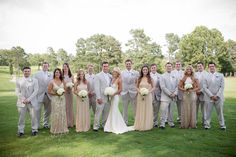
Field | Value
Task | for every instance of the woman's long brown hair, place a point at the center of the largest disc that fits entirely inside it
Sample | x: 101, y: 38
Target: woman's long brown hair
x: 149, y: 79
x: 78, y: 77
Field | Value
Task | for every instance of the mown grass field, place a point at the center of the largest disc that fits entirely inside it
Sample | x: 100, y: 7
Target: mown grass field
x: 162, y: 143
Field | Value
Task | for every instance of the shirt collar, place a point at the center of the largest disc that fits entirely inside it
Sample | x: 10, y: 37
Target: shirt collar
x: 154, y: 73
x: 129, y: 71
x: 104, y: 73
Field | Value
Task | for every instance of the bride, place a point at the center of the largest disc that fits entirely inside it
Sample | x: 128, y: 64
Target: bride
x: 115, y: 122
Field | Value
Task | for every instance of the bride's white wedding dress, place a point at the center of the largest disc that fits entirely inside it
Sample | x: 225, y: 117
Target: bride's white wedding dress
x: 115, y: 122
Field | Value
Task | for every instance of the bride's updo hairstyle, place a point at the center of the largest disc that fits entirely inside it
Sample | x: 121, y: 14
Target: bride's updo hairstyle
x: 117, y: 70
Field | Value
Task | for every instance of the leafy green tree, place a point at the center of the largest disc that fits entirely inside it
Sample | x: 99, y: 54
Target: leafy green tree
x: 98, y: 48
x: 62, y: 56
x: 202, y: 44
x: 231, y: 49
x: 172, y: 45
x: 36, y: 59
x: 142, y: 50
x: 51, y: 57
x: 3, y: 57
x: 18, y: 58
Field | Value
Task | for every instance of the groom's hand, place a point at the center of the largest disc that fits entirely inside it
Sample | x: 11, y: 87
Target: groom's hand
x: 99, y: 101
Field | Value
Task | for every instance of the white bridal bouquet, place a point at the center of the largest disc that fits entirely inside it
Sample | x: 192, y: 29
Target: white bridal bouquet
x: 69, y: 84
x: 60, y: 91
x: 109, y: 91
x: 83, y: 94
x: 144, y: 92
x: 188, y: 86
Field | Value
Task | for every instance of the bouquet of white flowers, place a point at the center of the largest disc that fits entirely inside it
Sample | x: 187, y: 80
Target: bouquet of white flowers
x: 109, y: 91
x: 69, y: 84
x: 60, y: 91
x: 144, y: 92
x: 188, y: 86
x: 83, y: 94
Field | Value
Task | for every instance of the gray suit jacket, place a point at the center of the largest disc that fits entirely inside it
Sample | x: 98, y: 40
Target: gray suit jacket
x: 43, y: 84
x: 157, y: 91
x: 129, y: 82
x: 27, y: 89
x: 179, y: 75
x: 100, y: 85
x: 201, y: 77
x: 169, y: 85
x: 90, y: 80
x: 214, y: 88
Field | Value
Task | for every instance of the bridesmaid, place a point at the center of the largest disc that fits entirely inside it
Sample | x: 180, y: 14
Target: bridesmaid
x: 82, y: 106
x: 68, y: 95
x: 188, y: 109
x: 144, y: 110
x: 58, y: 113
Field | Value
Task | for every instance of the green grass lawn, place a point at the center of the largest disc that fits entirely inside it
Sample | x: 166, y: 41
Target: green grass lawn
x: 168, y: 142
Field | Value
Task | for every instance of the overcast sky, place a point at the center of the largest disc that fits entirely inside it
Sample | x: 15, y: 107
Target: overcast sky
x: 37, y: 24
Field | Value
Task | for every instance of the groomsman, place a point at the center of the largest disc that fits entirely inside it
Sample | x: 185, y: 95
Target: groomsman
x: 214, y: 95
x: 26, y: 91
x: 129, y: 92
x: 169, y: 88
x: 178, y: 73
x: 200, y: 75
x: 101, y: 81
x: 43, y: 77
x: 156, y: 94
x: 90, y: 77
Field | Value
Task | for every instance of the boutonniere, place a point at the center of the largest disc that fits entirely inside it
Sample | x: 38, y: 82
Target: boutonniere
x: 30, y: 80
x: 49, y: 74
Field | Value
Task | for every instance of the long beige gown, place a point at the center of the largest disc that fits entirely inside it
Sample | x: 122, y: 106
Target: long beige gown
x: 82, y: 111
x: 188, y: 109
x: 69, y: 103
x: 58, y: 113
x: 144, y: 110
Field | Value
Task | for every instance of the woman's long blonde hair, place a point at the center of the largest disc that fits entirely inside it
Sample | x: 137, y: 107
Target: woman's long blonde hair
x: 182, y: 81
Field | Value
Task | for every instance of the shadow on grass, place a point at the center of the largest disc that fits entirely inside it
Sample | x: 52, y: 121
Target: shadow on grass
x: 7, y: 90
x: 168, y: 142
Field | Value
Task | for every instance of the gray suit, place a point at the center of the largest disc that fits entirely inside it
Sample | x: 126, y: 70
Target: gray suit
x: 27, y: 89
x: 129, y: 91
x: 100, y: 84
x: 214, y: 86
x: 169, y: 85
x: 179, y: 75
x: 156, y: 97
x: 43, y: 96
x: 92, y: 99
x: 200, y: 99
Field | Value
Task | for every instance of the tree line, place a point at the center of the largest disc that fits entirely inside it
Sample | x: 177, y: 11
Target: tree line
x: 202, y: 44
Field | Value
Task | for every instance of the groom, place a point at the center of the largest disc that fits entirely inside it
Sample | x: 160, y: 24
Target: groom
x: 101, y: 81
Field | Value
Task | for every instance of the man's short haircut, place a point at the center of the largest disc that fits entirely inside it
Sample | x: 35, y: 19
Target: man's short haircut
x: 104, y: 62
x: 154, y: 64
x: 211, y: 63
x: 45, y: 63
x: 169, y: 63
x: 26, y: 67
x: 128, y: 60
